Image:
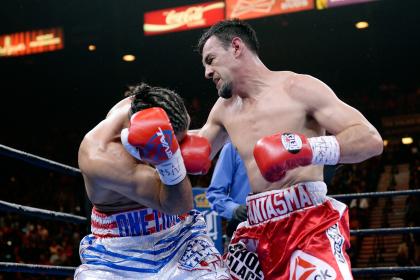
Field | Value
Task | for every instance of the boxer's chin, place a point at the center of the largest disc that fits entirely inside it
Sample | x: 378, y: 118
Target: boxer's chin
x: 225, y: 91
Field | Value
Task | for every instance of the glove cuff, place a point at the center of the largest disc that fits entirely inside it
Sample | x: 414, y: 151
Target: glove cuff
x: 173, y: 170
x: 128, y: 147
x: 325, y: 150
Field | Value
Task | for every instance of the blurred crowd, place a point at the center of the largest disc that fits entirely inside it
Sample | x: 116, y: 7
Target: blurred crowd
x: 34, y: 241
x: 25, y: 239
x: 408, y: 253
x: 357, y: 178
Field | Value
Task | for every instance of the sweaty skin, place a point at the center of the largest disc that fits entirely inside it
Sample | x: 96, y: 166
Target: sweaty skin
x: 265, y: 102
x: 116, y: 181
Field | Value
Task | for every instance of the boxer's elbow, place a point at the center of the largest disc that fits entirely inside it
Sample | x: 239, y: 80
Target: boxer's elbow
x: 178, y: 209
x: 376, y: 144
x: 188, y: 207
x: 179, y: 206
x: 184, y: 207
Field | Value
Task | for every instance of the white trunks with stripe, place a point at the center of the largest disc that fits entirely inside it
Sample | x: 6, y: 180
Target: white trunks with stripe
x: 147, y: 244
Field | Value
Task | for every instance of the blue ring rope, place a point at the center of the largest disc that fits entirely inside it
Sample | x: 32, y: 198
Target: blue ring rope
x: 69, y: 270
x: 41, y: 213
x: 39, y: 161
x: 385, y: 270
x: 384, y: 231
x: 52, y: 215
x: 56, y: 166
x: 37, y: 268
x: 375, y: 194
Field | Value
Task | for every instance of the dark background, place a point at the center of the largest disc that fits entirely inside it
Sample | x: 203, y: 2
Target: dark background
x: 50, y: 100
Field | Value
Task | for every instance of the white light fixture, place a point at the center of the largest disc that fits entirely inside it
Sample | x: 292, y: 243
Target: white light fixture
x: 91, y: 48
x: 407, y: 140
x: 362, y: 25
x: 129, y: 57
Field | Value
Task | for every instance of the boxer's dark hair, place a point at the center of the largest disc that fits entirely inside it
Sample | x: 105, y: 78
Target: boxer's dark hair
x: 226, y: 30
x: 146, y: 96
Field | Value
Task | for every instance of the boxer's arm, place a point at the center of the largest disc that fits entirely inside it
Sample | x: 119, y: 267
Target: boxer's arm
x: 357, y: 137
x: 214, y: 130
x: 110, y: 167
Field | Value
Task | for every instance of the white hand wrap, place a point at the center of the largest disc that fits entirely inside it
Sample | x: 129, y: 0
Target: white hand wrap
x: 173, y: 170
x: 128, y: 147
x: 325, y: 150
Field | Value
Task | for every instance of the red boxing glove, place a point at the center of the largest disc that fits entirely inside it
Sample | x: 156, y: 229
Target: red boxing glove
x: 196, y: 153
x: 278, y: 153
x: 151, y: 138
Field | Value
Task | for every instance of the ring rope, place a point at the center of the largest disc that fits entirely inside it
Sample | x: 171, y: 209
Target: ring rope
x: 375, y: 194
x: 385, y: 270
x: 41, y: 213
x: 52, y: 215
x: 37, y: 268
x: 39, y: 161
x: 56, y: 166
x: 69, y: 270
x: 385, y: 231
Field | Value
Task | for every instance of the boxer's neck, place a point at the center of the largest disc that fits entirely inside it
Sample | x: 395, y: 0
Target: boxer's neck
x: 251, y: 77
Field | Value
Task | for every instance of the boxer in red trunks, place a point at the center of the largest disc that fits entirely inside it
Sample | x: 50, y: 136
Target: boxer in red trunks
x: 278, y: 121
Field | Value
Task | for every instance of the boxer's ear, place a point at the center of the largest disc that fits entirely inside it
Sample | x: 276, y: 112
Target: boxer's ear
x: 237, y: 46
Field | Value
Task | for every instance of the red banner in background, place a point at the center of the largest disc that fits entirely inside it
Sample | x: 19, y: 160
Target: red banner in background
x: 246, y: 9
x: 31, y: 42
x: 183, y: 18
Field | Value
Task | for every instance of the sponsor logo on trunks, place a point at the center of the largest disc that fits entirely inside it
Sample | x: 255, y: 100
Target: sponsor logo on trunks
x: 306, y: 267
x: 291, y: 142
x: 336, y: 240
x: 198, y: 255
x: 243, y: 264
x: 143, y: 222
x: 273, y: 205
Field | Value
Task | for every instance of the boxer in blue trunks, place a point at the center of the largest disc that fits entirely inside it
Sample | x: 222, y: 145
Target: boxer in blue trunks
x: 134, y: 164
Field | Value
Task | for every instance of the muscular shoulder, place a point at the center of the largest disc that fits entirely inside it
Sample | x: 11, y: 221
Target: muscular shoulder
x: 307, y: 90
x: 105, y: 132
x: 122, y: 105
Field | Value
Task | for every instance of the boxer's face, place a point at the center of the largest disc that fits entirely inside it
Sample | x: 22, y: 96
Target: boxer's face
x: 217, y: 61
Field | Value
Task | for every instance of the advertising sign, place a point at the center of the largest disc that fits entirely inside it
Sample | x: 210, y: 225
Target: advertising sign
x: 246, y: 9
x: 183, y: 18
x: 30, y: 42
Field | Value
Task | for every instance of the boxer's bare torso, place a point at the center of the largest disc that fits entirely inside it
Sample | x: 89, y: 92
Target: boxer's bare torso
x: 259, y: 102
x: 273, y: 109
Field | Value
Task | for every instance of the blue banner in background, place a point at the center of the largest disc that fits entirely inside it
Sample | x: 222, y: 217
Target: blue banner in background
x: 213, y: 220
